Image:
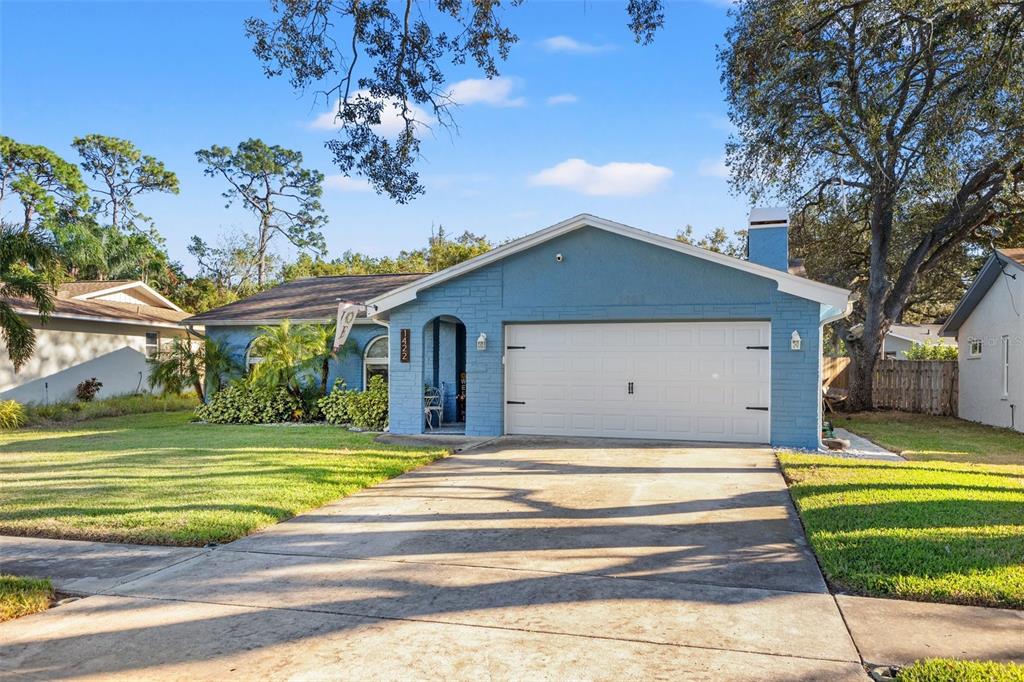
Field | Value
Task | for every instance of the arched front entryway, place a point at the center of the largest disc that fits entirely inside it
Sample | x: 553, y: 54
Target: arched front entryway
x: 444, y: 375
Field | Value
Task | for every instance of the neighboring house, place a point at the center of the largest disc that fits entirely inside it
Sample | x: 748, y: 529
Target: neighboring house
x: 988, y: 324
x: 99, y: 329
x: 314, y: 299
x: 902, y: 337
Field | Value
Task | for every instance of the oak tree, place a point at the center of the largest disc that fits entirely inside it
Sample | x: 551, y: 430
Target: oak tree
x: 910, y: 111
x: 384, y: 60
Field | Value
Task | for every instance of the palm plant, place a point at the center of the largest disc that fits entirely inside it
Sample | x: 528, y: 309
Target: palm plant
x: 186, y: 364
x: 219, y: 363
x: 286, y: 351
x: 29, y: 268
x: 290, y: 355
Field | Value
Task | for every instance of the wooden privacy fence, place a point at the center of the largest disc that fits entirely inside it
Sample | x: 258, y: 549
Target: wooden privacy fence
x: 925, y: 386
x: 834, y: 373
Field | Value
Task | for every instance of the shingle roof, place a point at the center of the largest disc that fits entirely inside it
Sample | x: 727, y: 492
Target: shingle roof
x: 918, y: 333
x: 312, y: 298
x: 127, y: 312
x: 72, y: 289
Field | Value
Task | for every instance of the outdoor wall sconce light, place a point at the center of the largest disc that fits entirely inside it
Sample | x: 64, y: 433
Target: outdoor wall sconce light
x: 794, y: 342
x: 481, y: 341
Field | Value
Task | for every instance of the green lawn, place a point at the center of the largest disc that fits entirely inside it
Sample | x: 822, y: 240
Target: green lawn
x: 926, y: 437
x: 932, y: 531
x: 159, y: 479
x: 948, y: 670
x: 22, y: 596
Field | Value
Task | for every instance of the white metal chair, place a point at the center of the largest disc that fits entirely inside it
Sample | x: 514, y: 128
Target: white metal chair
x: 432, y: 405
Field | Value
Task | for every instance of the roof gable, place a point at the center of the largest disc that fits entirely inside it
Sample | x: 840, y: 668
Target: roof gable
x: 107, y: 291
x: 998, y: 263
x: 787, y: 283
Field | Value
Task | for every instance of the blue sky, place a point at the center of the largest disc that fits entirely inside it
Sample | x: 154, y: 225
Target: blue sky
x: 584, y: 120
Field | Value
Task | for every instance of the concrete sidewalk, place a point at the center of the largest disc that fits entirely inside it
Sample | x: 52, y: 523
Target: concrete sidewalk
x: 896, y: 632
x: 83, y: 568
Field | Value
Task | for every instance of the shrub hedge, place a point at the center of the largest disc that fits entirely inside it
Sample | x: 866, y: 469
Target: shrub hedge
x: 369, y: 409
x: 334, y: 405
x: 243, y: 403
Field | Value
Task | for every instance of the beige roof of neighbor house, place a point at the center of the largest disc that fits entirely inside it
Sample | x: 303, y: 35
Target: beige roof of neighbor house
x: 81, y: 287
x: 313, y: 299
x: 919, y: 333
x: 73, y: 300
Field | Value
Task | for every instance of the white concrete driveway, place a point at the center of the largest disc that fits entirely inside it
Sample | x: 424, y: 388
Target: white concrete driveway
x: 531, y: 558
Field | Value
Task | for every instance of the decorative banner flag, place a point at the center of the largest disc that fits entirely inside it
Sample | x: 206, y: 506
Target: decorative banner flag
x: 346, y: 318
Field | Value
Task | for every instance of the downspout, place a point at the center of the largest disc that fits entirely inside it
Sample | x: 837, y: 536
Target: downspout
x: 854, y: 297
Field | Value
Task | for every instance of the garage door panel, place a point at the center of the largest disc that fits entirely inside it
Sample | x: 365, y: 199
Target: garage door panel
x: 715, y: 337
x: 691, y: 380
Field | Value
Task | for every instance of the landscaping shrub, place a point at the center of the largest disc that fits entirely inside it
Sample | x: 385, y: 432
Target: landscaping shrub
x: 950, y: 670
x: 369, y: 409
x: 117, y: 406
x: 88, y: 389
x: 309, y: 401
x: 243, y: 403
x: 12, y: 414
x: 334, y: 405
x: 932, y: 350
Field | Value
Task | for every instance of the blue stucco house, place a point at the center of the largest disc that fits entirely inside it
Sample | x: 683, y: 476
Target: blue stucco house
x: 594, y: 328
x: 311, y: 300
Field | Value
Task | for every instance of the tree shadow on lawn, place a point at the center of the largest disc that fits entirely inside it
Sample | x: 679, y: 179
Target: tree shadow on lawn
x: 909, y: 468
x: 975, y: 571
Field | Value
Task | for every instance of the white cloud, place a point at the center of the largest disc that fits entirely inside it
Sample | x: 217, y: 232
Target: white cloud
x: 391, y: 121
x: 343, y: 183
x: 713, y: 168
x: 494, y: 92
x: 572, y: 46
x: 564, y: 98
x: 612, y: 179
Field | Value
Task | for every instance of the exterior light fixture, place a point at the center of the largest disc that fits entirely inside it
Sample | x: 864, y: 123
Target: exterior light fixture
x: 794, y: 342
x: 481, y: 341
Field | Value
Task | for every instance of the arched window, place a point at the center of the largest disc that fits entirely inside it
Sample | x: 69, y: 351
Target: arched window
x: 375, y: 360
x: 251, y: 360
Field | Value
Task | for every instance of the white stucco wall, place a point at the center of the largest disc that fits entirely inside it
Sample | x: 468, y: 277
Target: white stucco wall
x: 981, y: 379
x: 70, y: 351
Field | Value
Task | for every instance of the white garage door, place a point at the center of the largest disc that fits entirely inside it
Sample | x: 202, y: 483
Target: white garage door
x: 676, y: 380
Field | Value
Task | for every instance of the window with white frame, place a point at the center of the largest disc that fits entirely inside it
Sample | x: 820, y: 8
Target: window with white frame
x: 152, y: 344
x: 975, y: 348
x: 375, y: 360
x: 251, y: 359
x: 1006, y: 367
